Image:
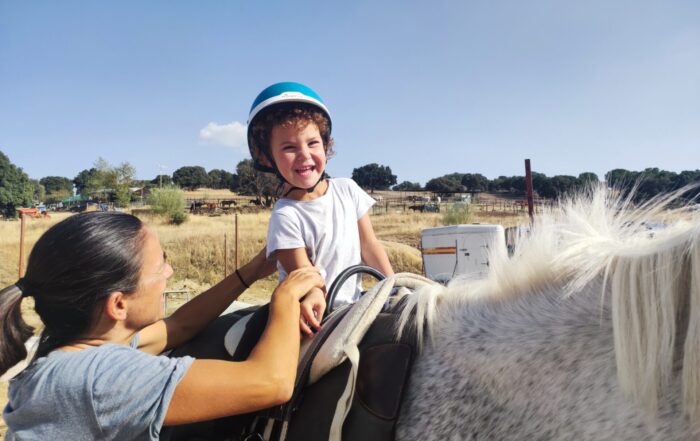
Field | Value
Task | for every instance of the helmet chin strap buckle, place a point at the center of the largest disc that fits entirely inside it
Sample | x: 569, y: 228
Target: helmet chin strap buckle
x: 308, y: 190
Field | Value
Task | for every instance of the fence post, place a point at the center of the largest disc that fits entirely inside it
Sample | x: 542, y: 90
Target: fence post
x: 528, y: 186
x: 236, y: 239
x: 21, y: 245
x: 225, y: 255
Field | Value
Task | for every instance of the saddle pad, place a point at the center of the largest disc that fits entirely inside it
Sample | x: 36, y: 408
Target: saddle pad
x: 234, y: 334
x: 357, y: 320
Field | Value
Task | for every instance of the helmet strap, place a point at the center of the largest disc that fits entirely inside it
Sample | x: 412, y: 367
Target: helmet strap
x: 308, y: 190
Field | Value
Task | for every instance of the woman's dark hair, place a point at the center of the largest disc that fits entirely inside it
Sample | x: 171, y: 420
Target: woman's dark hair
x: 74, y: 265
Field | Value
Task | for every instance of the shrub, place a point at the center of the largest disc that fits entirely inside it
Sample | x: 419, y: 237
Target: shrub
x: 458, y: 213
x: 177, y: 218
x: 169, y: 202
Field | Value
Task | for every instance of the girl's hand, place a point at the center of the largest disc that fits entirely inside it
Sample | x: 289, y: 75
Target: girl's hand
x: 312, y: 308
x: 299, y: 282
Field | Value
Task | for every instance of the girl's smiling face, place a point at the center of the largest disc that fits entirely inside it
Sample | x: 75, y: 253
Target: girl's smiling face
x: 299, y: 154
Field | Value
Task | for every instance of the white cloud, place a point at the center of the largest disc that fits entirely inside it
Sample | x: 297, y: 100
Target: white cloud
x: 232, y: 134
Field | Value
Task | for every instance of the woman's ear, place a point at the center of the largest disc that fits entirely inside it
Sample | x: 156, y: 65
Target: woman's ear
x: 115, y: 306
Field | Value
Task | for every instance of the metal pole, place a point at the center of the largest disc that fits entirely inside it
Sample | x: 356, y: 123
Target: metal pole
x: 236, y: 238
x: 528, y: 185
x: 21, y: 245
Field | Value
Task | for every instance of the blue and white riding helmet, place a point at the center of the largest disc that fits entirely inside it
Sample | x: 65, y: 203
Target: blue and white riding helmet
x: 287, y: 92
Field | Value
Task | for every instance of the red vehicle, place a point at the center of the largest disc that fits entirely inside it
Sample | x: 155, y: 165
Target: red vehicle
x: 33, y: 212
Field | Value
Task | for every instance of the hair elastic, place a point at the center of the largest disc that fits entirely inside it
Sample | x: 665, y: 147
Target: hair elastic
x: 20, y: 284
x: 238, y: 273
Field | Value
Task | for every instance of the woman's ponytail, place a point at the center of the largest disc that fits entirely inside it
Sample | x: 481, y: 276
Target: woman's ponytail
x: 15, y: 331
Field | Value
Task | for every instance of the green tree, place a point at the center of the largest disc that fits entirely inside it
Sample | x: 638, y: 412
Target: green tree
x: 374, y: 177
x: 169, y: 202
x: 121, y: 179
x: 621, y: 178
x: 514, y: 184
x: 688, y: 177
x: 475, y: 182
x: 15, y: 188
x: 407, y: 186
x: 564, y: 184
x: 85, y: 182
x: 191, y: 177
x: 38, y: 190
x: 162, y: 180
x: 587, y: 179
x: 219, y: 178
x: 497, y: 184
x: 57, y: 196
x: 255, y: 183
x: 54, y: 184
x: 444, y: 185
x: 107, y: 182
x: 543, y: 186
x: 235, y: 182
x: 104, y: 179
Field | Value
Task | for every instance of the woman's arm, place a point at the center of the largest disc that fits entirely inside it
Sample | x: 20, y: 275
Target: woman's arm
x: 373, y: 253
x: 314, y: 303
x: 194, y: 315
x: 213, y: 389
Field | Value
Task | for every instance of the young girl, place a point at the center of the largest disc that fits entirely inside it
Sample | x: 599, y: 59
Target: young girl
x: 318, y: 221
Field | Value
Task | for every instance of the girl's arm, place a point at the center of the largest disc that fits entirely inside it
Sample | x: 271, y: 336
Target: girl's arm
x: 214, y: 388
x: 373, y: 253
x: 314, y: 303
x: 194, y: 315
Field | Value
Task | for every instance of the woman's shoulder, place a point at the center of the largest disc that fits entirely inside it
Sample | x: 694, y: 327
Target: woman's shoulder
x: 92, y: 361
x: 63, y: 373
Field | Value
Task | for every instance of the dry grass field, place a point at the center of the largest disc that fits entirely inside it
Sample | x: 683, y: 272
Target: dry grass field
x: 196, y: 249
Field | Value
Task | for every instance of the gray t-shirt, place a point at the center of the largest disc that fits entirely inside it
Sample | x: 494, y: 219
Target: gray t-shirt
x: 110, y: 392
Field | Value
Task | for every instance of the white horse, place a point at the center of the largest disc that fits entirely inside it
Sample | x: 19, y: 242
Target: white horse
x: 590, y: 332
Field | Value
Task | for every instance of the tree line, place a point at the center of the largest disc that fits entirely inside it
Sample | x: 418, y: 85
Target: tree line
x: 115, y: 183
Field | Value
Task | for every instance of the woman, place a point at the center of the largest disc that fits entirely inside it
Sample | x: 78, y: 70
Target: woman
x: 98, y: 280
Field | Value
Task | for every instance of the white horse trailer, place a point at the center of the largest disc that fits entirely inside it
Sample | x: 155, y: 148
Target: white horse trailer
x: 460, y: 250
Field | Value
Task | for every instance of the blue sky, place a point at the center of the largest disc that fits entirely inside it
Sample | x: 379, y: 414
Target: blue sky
x: 427, y: 88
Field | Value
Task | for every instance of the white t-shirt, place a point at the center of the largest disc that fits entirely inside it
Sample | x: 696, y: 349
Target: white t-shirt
x: 327, y: 228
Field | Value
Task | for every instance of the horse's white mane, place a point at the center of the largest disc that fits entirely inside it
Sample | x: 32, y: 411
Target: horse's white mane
x: 652, y: 278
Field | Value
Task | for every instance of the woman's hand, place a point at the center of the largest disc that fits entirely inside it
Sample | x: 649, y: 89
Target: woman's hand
x: 216, y: 388
x: 312, y: 308
x: 299, y: 282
